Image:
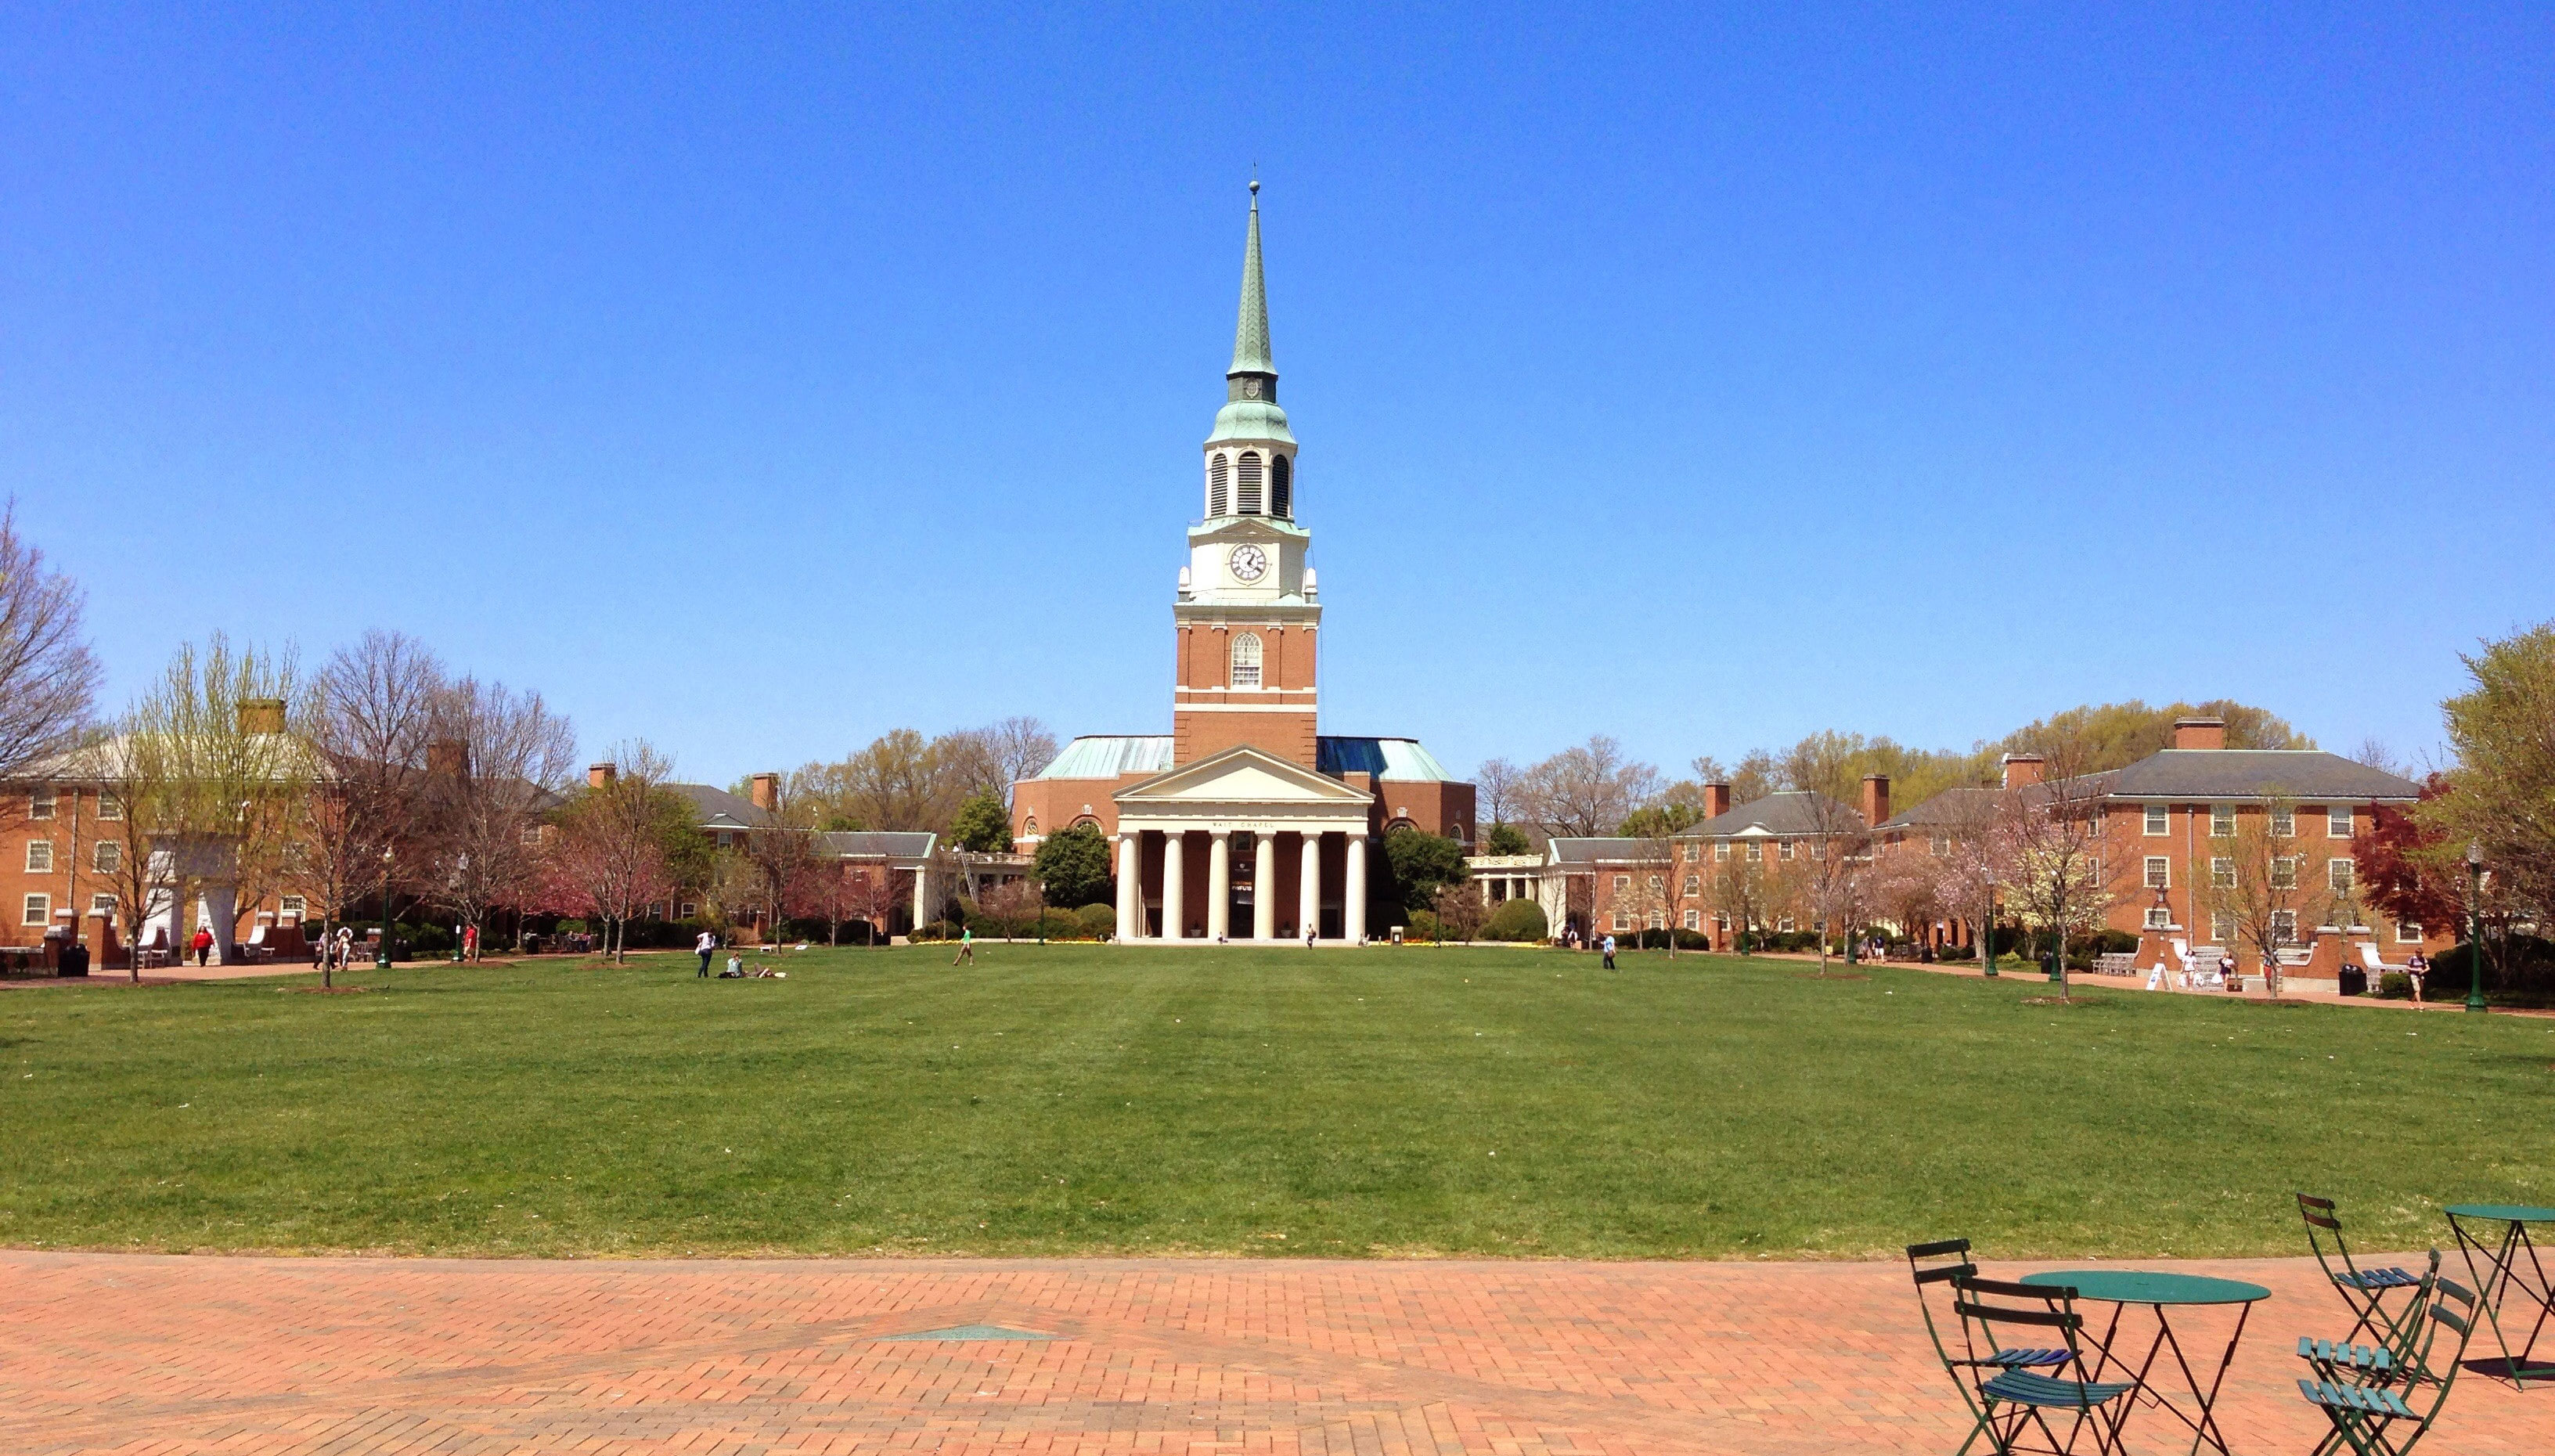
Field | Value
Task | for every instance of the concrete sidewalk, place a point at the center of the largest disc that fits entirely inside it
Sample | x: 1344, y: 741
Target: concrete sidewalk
x: 174, y: 1354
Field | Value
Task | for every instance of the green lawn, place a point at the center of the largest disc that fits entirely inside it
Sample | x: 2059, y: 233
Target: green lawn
x: 1085, y: 1100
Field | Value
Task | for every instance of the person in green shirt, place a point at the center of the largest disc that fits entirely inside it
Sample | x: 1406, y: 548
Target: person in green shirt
x: 966, y: 947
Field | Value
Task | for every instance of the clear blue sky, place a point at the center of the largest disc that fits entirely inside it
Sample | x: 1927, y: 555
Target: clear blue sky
x: 757, y: 383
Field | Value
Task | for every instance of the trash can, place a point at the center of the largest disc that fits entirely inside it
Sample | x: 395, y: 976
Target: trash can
x: 2354, y: 981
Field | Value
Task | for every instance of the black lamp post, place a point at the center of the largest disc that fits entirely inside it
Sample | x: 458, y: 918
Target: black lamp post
x: 1987, y: 932
x: 382, y: 953
x: 2475, y: 927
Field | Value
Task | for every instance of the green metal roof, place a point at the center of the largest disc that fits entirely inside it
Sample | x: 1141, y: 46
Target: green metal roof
x: 1250, y: 329
x: 1251, y: 419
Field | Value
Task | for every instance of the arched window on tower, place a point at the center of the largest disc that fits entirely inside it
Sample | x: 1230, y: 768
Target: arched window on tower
x: 1245, y: 658
x: 1215, y: 486
x: 1246, y: 495
x: 1282, y: 487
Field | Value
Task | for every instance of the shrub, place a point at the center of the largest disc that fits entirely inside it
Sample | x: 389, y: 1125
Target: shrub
x: 1517, y: 920
x: 936, y: 930
x: 2394, y: 986
x: 1655, y: 939
x: 1099, y: 922
x: 1423, y: 925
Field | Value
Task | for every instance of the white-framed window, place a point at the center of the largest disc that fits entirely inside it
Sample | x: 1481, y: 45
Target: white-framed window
x: 1654, y: 921
x: 39, y: 910
x: 1818, y: 849
x: 532, y: 834
x: 2408, y: 933
x: 1721, y: 849
x: 293, y: 904
x: 2159, y: 819
x: 1756, y: 851
x: 2221, y: 927
x: 1246, y: 659
x: 689, y: 909
x: 101, y: 904
x: 41, y: 802
x: 1784, y: 849
x: 107, y: 856
x: 1246, y: 483
x: 1694, y: 919
x: 1622, y: 883
x: 725, y: 839
x: 39, y: 856
x: 2337, y: 821
x: 2222, y: 873
x: 1654, y: 884
x: 2285, y: 926
x: 2159, y: 872
x: 1941, y: 844
x: 1622, y: 922
x: 2284, y: 872
x: 2285, y: 822
x: 1693, y: 852
x: 2222, y: 821
x: 1784, y: 925
x: 2336, y: 876
x: 109, y: 806
x: 1694, y: 883
x: 2160, y: 918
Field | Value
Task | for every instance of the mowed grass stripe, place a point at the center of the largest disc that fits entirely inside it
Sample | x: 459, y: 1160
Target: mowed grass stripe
x: 1078, y: 1099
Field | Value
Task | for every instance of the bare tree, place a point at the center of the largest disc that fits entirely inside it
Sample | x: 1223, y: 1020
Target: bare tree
x: 49, y: 678
x: 1586, y: 790
x: 1019, y: 747
x: 1460, y: 911
x: 1660, y: 887
x: 2258, y: 880
x: 1743, y: 892
x: 1495, y: 790
x: 609, y: 854
x: 873, y: 898
x: 372, y: 711
x: 1835, y: 880
x: 498, y: 762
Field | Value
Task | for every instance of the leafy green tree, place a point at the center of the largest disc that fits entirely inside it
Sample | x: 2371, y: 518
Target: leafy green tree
x: 1073, y: 865
x: 1659, y: 820
x: 1421, y: 862
x: 1507, y: 839
x: 2502, y: 793
x: 982, y: 825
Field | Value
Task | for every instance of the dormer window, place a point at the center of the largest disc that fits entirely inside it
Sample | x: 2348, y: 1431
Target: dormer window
x: 1246, y: 658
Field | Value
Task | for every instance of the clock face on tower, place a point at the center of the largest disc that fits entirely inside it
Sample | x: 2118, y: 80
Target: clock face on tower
x: 1248, y: 563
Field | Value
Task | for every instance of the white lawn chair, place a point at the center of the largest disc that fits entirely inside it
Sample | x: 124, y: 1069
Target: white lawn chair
x: 2378, y: 967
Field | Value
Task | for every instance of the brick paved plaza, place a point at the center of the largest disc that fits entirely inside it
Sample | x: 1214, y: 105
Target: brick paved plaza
x: 168, y: 1354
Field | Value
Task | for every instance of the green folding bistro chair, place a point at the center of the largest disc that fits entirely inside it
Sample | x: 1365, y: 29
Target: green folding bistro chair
x: 2385, y: 1362
x: 2366, y: 1417
x: 2013, y: 1402
x: 1942, y: 1263
x: 2366, y: 1291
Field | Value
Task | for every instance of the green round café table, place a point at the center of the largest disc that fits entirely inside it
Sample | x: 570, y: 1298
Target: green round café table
x: 2510, y: 1263
x: 2157, y: 1292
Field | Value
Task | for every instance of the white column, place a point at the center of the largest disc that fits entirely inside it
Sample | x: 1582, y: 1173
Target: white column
x: 1130, y: 887
x: 1264, y: 888
x: 1219, y: 883
x: 1354, y: 926
x: 1309, y: 889
x: 1174, y: 884
x: 922, y: 895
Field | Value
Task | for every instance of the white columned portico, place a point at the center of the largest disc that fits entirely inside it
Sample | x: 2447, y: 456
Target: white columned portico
x: 1264, y: 887
x: 1131, y: 887
x: 1353, y: 921
x: 1174, y: 884
x: 1309, y: 887
x: 1219, y: 885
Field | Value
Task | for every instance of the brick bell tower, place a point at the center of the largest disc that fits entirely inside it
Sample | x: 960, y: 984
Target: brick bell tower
x: 1248, y: 620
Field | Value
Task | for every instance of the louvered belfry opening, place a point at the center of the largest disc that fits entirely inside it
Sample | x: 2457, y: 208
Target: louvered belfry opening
x: 1282, y: 492
x: 1215, y: 493
x: 1246, y: 495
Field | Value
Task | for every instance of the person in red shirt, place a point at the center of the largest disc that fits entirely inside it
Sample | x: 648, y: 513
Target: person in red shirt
x: 203, y: 944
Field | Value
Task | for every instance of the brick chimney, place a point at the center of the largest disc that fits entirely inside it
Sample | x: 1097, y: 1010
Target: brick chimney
x: 1875, y: 800
x: 260, y: 715
x: 449, y: 756
x: 2022, y: 769
x: 1716, y: 800
x: 600, y: 776
x: 2200, y: 733
x: 766, y: 791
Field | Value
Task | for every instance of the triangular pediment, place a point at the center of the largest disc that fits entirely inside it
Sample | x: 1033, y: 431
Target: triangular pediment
x: 1240, y: 775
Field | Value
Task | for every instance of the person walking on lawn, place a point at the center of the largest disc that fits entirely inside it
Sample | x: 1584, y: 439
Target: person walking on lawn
x: 966, y: 945
x: 702, y: 945
x: 203, y: 944
x: 1610, y: 952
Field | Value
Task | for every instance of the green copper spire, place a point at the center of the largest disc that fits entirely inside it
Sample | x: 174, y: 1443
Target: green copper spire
x: 1251, y: 330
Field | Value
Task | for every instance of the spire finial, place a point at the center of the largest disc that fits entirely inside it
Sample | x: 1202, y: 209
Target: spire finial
x: 1250, y: 329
